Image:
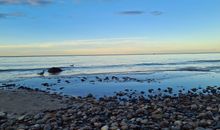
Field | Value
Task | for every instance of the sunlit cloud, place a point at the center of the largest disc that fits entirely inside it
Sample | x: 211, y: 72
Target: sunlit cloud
x: 136, y: 45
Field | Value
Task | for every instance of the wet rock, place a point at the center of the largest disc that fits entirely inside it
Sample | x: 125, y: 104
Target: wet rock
x: 3, y: 115
x: 45, y: 84
x: 54, y: 70
x: 38, y: 116
x: 89, y: 95
x: 20, y: 118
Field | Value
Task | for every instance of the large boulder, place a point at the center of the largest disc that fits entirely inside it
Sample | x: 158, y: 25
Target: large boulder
x: 54, y: 70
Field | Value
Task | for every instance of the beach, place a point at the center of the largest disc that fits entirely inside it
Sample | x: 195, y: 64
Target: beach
x: 169, y: 93
x: 125, y: 110
x: 109, y: 65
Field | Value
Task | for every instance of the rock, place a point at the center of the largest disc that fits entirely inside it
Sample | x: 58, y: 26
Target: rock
x: 140, y: 111
x: 124, y: 127
x: 20, y: 118
x: 89, y: 95
x: 202, y: 115
x: 2, y: 115
x: 45, y: 84
x: 105, y: 127
x: 194, y: 106
x: 187, y: 126
x: 97, y: 124
x: 54, y: 70
x: 164, y: 123
x: 36, y: 127
x: 203, y: 123
x: 175, y: 128
x: 217, y: 125
x: 114, y: 128
x: 156, y: 116
x: 200, y: 128
x: 178, y: 123
x: 38, y: 116
x: 144, y: 121
x: 47, y: 127
x: 209, y: 108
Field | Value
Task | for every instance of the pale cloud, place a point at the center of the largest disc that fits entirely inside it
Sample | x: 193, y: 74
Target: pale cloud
x: 156, y: 13
x: 25, y: 2
x: 132, y: 12
x: 13, y: 14
x: 136, y: 45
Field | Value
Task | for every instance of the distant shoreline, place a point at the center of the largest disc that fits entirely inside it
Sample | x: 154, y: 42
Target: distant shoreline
x: 114, y: 54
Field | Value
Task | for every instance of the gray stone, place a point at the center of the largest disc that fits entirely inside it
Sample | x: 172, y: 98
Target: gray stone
x: 105, y: 127
x: 47, y: 127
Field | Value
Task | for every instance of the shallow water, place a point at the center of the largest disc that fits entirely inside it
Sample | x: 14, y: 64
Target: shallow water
x: 177, y: 71
x: 13, y: 68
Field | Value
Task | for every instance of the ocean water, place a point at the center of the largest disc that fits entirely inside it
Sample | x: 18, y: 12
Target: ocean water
x: 17, y: 68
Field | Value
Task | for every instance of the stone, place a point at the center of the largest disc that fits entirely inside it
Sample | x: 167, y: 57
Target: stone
x: 144, y: 121
x: 194, y: 106
x: 54, y: 70
x: 203, y: 123
x: 124, y: 127
x: 105, y: 127
x: 2, y: 115
x: 97, y: 124
x: 20, y: 118
x: 156, y: 116
x: 178, y: 123
x: 202, y: 115
x: 200, y: 128
x: 47, y: 127
x: 164, y: 123
x: 36, y: 126
x: 38, y: 116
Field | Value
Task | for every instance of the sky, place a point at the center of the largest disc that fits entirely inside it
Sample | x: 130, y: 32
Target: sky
x: 90, y: 27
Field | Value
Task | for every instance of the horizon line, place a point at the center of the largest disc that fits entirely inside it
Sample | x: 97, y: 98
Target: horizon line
x: 113, y: 54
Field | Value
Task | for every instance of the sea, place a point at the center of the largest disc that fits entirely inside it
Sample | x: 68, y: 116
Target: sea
x: 175, y: 70
x: 16, y: 68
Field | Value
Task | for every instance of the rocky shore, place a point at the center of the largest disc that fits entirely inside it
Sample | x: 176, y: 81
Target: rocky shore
x: 197, y: 109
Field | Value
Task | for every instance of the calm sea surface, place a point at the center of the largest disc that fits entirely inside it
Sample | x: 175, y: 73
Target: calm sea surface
x: 15, y: 68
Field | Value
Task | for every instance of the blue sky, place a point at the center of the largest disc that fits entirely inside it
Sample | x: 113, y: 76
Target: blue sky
x: 49, y: 27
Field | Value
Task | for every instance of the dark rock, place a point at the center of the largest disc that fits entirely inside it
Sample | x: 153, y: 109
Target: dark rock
x: 54, y: 70
x: 45, y: 84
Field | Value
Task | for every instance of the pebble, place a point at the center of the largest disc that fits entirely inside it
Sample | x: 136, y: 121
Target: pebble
x: 105, y: 127
x: 184, y: 112
x: 194, y: 106
x: 2, y: 115
x: 47, y: 127
x: 144, y: 121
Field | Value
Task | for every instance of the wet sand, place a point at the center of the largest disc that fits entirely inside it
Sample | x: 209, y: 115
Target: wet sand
x: 22, y: 101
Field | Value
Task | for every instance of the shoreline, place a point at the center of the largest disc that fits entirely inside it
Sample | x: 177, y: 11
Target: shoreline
x: 215, y: 52
x: 191, y: 110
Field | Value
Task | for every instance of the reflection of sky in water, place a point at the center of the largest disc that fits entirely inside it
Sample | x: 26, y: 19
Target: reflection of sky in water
x: 176, y: 80
x: 30, y: 66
